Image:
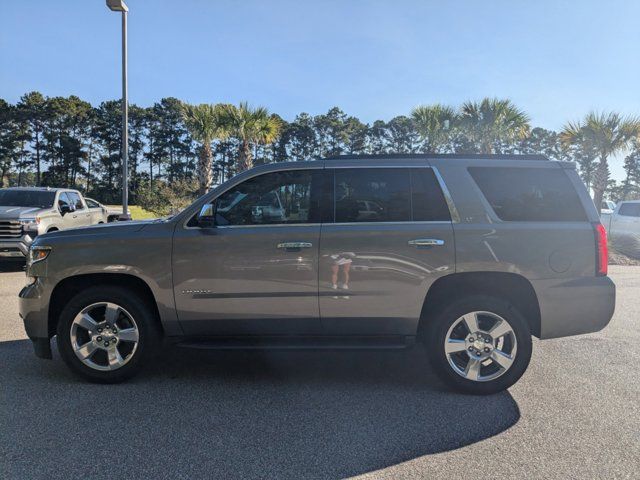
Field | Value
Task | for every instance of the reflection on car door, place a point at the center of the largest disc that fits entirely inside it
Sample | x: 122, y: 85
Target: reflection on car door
x: 256, y: 271
x: 392, y: 238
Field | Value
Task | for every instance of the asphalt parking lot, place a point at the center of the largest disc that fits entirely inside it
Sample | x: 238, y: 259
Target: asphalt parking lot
x: 195, y: 414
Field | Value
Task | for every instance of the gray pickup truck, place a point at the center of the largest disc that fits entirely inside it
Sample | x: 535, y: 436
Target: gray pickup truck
x: 27, y: 212
x: 468, y: 255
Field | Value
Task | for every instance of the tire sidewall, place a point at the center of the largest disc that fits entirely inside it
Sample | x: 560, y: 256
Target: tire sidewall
x: 438, y: 328
x: 135, y: 306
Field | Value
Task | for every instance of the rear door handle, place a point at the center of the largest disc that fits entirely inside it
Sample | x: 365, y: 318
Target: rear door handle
x: 426, y: 242
x: 294, y: 245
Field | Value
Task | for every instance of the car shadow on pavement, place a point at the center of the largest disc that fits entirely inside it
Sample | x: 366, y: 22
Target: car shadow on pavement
x: 221, y: 414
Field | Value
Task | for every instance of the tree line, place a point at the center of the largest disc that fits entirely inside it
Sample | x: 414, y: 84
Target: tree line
x: 177, y: 150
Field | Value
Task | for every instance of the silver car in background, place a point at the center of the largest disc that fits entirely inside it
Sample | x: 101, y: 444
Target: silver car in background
x: 623, y: 226
x: 26, y: 212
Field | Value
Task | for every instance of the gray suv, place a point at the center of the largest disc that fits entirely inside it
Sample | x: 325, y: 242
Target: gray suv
x: 26, y: 212
x: 469, y: 255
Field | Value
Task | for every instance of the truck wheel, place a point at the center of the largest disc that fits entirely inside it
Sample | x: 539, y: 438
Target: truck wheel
x: 479, y: 344
x: 105, y: 334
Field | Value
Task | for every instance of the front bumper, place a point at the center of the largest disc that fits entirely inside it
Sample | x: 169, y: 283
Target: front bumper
x: 16, y: 247
x: 574, y: 306
x: 34, y: 312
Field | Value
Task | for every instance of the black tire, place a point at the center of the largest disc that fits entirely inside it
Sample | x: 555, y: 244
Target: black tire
x: 149, y: 333
x: 439, y: 324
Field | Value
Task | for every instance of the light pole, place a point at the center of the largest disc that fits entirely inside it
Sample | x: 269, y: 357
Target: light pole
x: 120, y: 6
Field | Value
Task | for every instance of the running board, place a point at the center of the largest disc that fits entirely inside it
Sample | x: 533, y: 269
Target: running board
x: 299, y: 343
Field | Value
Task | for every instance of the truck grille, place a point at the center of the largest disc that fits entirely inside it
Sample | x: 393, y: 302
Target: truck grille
x: 10, y: 229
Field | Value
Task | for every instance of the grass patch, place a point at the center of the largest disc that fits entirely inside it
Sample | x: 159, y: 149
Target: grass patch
x: 137, y: 213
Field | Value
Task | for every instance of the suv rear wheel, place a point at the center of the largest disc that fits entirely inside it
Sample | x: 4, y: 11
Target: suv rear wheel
x: 479, y: 344
x: 105, y: 334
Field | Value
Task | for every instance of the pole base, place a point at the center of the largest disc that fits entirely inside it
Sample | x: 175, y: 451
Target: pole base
x: 124, y: 217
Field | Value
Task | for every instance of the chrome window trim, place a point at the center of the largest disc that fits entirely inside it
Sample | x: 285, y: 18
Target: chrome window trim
x: 407, y: 222
x: 263, y: 225
x: 348, y: 224
x: 455, y: 217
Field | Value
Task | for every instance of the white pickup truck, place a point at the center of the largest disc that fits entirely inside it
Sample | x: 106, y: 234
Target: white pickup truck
x: 623, y: 227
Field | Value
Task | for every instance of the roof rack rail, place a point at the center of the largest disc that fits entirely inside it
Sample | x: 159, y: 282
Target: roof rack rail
x: 453, y: 156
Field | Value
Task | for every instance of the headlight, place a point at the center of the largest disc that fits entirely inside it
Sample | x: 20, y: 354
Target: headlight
x: 38, y: 254
x: 30, y: 223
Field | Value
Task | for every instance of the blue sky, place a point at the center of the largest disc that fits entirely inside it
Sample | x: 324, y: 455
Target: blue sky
x: 374, y: 59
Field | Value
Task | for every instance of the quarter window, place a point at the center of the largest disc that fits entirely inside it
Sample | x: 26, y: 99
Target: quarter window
x: 529, y: 194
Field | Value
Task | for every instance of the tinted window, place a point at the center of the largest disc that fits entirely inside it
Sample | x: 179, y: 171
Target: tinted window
x: 74, y: 199
x: 630, y: 209
x: 272, y: 198
x: 529, y: 194
x: 427, y: 200
x: 372, y: 195
x: 27, y: 198
x: 92, y: 203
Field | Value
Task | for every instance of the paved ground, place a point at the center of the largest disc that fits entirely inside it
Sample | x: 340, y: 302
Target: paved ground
x: 575, y: 413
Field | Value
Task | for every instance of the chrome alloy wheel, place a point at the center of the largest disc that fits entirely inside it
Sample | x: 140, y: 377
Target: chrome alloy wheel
x: 480, y: 346
x: 104, y: 336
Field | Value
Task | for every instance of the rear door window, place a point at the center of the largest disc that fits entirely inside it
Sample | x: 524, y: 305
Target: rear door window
x: 427, y: 200
x: 388, y: 195
x: 630, y: 210
x: 529, y: 194
x: 372, y: 195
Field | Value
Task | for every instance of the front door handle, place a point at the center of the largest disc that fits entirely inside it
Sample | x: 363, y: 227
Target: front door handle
x: 426, y: 242
x: 294, y: 245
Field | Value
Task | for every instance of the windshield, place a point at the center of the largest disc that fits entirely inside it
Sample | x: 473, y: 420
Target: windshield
x: 27, y: 198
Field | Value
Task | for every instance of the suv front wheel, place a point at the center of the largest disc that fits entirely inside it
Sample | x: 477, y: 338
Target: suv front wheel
x: 105, y: 334
x: 479, y: 345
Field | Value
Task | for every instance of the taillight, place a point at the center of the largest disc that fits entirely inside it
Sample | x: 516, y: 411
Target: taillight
x: 602, y: 252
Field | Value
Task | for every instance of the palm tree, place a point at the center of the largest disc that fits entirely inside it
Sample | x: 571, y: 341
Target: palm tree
x: 493, y: 121
x: 205, y: 123
x: 434, y: 123
x: 251, y: 127
x: 609, y: 133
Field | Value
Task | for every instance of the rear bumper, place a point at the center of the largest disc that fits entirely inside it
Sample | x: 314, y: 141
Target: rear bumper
x: 574, y: 306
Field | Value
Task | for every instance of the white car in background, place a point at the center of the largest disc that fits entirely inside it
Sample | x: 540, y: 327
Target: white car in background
x: 623, y: 227
x: 607, y: 207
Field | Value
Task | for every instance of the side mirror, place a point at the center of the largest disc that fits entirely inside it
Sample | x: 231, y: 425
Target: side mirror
x: 64, y: 209
x: 207, y: 216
